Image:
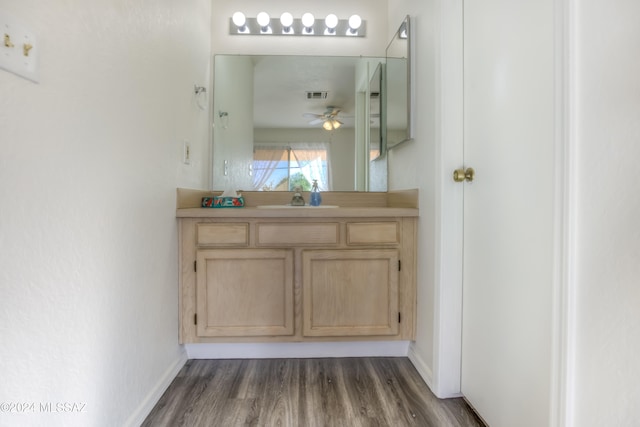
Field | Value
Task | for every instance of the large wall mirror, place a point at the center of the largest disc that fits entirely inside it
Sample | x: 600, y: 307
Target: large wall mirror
x: 282, y: 121
x: 398, y: 92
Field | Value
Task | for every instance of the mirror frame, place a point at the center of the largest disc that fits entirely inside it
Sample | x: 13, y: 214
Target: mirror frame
x: 405, y: 27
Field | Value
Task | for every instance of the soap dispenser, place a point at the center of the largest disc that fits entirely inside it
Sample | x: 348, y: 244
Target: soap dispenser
x: 316, y: 198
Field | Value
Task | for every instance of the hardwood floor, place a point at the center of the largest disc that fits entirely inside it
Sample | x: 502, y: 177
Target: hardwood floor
x: 336, y: 392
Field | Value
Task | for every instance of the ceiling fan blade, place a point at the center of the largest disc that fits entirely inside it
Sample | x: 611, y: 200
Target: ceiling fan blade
x: 312, y: 115
x: 316, y: 121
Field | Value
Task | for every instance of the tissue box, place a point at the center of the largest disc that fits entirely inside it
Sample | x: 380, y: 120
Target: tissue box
x: 222, y: 202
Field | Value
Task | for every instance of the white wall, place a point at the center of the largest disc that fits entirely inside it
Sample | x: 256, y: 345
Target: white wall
x: 416, y: 164
x: 90, y: 160
x: 606, y: 212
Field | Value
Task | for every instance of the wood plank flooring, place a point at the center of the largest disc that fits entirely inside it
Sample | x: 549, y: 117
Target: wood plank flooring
x: 334, y: 392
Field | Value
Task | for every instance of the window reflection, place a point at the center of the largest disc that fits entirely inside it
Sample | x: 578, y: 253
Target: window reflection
x: 283, y: 168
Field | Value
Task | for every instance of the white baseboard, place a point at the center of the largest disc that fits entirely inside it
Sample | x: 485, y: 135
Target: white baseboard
x: 427, y: 374
x: 421, y: 366
x: 144, y: 409
x: 297, y: 350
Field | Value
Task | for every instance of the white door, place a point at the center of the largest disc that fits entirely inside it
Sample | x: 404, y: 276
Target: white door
x: 508, y: 209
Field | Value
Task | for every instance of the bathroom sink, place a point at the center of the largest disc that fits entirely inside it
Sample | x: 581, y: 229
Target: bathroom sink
x: 295, y: 207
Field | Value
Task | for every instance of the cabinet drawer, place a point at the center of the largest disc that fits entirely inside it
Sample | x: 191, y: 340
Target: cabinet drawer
x: 222, y: 234
x: 320, y: 233
x: 366, y: 233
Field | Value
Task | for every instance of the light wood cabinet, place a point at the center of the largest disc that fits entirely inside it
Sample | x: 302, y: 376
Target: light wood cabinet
x: 260, y: 278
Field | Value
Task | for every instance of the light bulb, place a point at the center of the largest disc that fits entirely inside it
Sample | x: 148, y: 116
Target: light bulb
x: 336, y: 124
x: 307, y: 20
x: 327, y: 125
x: 331, y: 21
x: 286, y: 19
x: 354, y: 23
x: 263, y: 19
x: 239, y: 19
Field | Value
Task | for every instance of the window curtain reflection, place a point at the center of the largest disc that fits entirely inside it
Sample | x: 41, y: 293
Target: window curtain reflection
x: 275, y: 165
x: 265, y: 162
x: 313, y: 160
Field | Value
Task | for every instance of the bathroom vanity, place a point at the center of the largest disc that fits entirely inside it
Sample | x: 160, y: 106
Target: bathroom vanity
x: 265, y: 273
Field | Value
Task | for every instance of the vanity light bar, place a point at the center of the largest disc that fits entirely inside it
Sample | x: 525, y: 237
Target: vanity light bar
x: 307, y: 25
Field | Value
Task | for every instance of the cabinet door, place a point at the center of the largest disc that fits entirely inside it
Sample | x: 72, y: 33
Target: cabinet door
x: 244, y: 292
x: 350, y: 292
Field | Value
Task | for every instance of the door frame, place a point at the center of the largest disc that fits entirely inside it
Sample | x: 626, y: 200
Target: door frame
x: 564, y: 295
x: 447, y: 357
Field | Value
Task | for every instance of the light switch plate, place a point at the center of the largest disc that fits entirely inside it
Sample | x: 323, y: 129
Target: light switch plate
x: 18, y: 48
x: 186, y: 152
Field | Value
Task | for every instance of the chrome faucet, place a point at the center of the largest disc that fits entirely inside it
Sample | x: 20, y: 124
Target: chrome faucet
x: 297, y: 200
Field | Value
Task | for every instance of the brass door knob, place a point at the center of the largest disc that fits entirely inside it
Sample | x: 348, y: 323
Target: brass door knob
x: 460, y: 175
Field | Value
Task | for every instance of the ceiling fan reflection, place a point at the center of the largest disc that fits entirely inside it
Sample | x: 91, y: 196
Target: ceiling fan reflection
x: 327, y: 119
